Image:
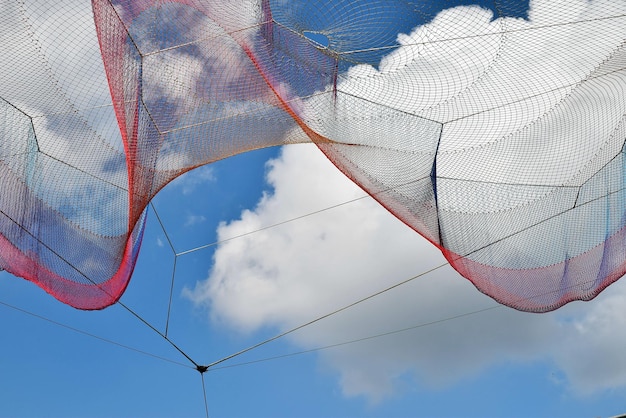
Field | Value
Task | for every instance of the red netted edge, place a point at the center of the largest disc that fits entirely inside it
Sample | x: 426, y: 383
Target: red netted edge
x: 495, y: 133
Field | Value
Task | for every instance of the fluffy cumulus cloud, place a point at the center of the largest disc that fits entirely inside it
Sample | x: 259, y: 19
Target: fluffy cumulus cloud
x: 284, y: 276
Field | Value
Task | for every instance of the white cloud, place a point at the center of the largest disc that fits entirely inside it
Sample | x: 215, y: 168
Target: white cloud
x: 591, y: 350
x: 284, y: 276
x: 521, y: 115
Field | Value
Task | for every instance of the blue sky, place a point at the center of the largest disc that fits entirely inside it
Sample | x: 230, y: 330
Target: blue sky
x: 51, y: 371
x: 474, y: 359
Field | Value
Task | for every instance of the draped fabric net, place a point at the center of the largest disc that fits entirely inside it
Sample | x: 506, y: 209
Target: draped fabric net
x: 496, y: 134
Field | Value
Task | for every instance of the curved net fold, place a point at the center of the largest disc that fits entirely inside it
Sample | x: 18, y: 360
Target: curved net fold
x: 496, y: 130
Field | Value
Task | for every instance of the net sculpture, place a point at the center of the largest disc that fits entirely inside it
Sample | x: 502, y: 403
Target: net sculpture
x: 496, y: 133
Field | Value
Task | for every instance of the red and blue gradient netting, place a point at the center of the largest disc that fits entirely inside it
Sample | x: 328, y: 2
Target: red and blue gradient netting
x: 496, y: 133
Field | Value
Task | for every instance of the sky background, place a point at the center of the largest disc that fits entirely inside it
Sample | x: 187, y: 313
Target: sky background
x: 496, y: 363
x: 460, y: 355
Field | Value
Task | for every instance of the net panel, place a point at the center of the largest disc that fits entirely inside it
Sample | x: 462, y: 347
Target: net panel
x: 493, y: 128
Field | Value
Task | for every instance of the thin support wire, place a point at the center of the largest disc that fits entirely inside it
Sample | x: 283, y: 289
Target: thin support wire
x: 167, y: 237
x: 236, y: 354
x: 370, y: 337
x: 169, y: 304
x: 202, y: 247
x: 358, y: 340
x: 371, y: 296
x: 119, y: 302
x: 88, y: 334
x: 206, y: 404
x: 171, y: 245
